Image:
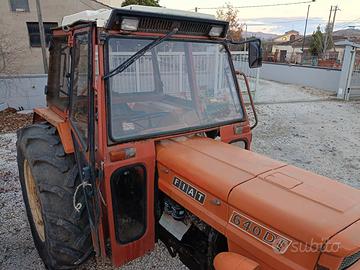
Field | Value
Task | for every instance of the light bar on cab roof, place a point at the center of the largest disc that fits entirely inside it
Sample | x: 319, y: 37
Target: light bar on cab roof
x: 216, y: 31
x: 129, y: 24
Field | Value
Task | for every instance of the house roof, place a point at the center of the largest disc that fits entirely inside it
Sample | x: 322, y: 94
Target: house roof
x: 291, y: 31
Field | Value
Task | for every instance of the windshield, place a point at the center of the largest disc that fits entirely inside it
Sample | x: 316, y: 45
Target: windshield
x: 177, y: 85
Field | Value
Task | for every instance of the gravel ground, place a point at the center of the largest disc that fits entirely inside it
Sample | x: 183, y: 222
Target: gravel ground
x: 321, y: 136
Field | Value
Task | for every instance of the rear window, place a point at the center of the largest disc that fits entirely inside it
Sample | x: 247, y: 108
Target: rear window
x: 59, y: 73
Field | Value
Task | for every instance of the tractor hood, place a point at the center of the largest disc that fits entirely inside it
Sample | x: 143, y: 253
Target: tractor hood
x: 304, y: 206
x: 213, y: 166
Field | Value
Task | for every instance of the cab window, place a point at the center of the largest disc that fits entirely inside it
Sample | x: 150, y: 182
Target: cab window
x: 80, y: 86
x: 59, y: 73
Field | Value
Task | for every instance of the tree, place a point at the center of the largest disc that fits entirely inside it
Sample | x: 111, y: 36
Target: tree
x: 317, y: 42
x: 231, y: 14
x: 154, y: 3
x: 10, y: 53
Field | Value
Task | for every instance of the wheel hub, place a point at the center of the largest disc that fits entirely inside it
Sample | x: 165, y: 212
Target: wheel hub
x: 34, y: 201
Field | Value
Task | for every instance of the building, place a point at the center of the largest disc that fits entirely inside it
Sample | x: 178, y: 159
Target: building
x: 288, y: 36
x: 281, y: 46
x: 20, y: 51
x: 288, y: 48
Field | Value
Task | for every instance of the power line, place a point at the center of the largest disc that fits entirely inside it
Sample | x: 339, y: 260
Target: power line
x: 263, y: 5
x: 311, y: 20
x: 280, y: 22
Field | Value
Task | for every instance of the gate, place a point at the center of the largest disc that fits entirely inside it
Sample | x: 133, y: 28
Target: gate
x: 354, y: 87
x: 349, y: 84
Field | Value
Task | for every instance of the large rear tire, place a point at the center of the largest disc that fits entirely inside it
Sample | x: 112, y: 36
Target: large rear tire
x: 48, y: 179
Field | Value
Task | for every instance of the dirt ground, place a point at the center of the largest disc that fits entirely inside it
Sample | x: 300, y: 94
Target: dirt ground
x: 10, y: 120
x: 321, y: 136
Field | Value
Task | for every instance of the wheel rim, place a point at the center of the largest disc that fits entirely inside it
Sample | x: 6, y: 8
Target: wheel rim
x: 34, y: 201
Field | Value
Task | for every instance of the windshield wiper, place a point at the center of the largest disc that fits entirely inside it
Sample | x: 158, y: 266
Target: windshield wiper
x: 137, y: 55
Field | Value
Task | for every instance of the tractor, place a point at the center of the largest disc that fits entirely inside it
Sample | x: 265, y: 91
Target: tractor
x: 136, y: 145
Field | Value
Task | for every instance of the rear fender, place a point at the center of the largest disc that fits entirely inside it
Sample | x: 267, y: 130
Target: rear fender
x: 62, y: 126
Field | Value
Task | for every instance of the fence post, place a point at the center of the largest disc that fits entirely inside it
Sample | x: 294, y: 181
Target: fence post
x: 347, y: 68
x: 181, y: 71
x: 137, y: 76
x: 345, y: 72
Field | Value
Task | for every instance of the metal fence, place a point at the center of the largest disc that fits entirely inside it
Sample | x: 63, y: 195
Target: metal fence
x: 240, y: 59
x: 172, y: 67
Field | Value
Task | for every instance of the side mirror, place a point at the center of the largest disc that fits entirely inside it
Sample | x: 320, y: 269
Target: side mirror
x: 255, y: 53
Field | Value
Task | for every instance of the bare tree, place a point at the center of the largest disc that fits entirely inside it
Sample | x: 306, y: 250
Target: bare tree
x: 231, y: 14
x: 10, y: 53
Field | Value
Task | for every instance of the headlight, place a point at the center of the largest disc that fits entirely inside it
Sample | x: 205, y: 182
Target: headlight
x: 216, y: 31
x: 129, y: 24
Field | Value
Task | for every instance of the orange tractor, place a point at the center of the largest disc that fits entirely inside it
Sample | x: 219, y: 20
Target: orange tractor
x: 135, y: 147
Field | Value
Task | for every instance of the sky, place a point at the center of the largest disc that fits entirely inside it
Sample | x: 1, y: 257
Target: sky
x: 279, y: 19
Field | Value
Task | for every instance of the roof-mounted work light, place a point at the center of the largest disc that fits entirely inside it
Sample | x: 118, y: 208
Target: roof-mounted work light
x: 129, y: 24
x: 216, y: 31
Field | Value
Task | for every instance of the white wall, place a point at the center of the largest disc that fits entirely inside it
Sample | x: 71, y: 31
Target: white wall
x: 26, y: 91
x: 321, y: 78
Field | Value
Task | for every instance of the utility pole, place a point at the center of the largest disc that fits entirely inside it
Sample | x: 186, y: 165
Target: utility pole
x: 333, y: 24
x: 327, y: 31
x: 306, y: 22
x: 42, y: 36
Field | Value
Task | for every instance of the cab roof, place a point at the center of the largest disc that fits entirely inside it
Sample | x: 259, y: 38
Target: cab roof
x: 152, y: 19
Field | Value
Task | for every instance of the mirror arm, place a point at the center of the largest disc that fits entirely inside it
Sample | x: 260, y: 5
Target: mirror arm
x: 250, y: 97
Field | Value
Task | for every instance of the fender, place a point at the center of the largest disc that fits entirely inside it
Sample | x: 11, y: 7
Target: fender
x: 233, y: 261
x: 61, y: 125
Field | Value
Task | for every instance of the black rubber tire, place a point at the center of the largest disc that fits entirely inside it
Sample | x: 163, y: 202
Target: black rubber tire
x: 67, y: 232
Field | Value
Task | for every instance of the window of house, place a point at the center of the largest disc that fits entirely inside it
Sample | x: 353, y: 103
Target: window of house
x: 19, y: 5
x: 34, y: 32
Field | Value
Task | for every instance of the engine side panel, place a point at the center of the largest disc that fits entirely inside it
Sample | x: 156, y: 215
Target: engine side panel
x: 260, y: 242
x: 212, y: 210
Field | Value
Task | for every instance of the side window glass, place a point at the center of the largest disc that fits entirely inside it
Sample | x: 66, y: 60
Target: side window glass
x: 59, y: 70
x: 80, y: 85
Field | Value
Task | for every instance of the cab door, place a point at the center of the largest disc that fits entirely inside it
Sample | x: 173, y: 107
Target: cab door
x: 82, y: 119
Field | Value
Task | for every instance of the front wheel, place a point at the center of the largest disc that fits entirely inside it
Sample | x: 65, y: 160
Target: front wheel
x: 48, y: 180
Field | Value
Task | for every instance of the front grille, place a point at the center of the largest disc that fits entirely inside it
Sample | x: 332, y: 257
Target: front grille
x: 162, y: 26
x: 350, y: 260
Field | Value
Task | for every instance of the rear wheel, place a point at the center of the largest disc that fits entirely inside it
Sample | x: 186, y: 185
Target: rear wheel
x: 48, y: 180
